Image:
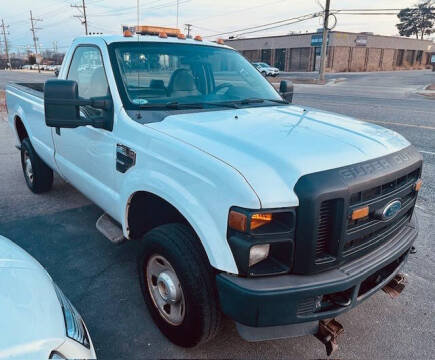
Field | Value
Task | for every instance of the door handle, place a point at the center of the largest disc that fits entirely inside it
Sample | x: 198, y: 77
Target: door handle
x: 58, y: 131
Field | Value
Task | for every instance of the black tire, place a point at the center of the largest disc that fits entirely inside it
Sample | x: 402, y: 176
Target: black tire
x: 180, y: 246
x: 264, y: 73
x: 41, y: 178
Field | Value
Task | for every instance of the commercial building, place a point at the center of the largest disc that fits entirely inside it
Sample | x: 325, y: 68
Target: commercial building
x: 346, y: 51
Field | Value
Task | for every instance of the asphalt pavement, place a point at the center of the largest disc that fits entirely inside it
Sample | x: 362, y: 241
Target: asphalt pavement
x: 58, y: 229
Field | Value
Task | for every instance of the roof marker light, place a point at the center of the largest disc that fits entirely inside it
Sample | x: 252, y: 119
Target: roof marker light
x: 157, y: 30
x: 128, y: 33
x: 197, y: 38
x: 163, y: 35
x: 220, y: 41
x: 181, y: 36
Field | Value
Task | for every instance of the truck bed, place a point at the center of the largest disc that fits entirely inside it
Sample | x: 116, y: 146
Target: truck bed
x: 33, y: 88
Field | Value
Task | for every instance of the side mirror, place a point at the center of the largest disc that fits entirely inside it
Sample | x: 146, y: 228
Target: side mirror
x: 62, y: 106
x: 56, y: 72
x: 286, y: 90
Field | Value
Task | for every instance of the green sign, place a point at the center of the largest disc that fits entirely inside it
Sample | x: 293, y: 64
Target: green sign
x: 317, y: 39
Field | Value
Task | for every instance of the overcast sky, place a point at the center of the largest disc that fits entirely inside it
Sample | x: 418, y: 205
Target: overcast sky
x: 208, y: 17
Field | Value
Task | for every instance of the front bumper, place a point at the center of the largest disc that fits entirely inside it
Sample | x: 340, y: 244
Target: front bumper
x: 291, y: 299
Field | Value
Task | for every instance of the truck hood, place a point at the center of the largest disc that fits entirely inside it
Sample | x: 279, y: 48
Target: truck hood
x: 272, y: 147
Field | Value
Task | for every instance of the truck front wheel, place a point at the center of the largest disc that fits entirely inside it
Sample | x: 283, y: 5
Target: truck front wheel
x: 178, y: 285
x: 39, y: 177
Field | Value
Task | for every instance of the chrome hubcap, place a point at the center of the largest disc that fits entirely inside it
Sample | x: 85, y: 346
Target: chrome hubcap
x: 28, y: 167
x: 165, y: 289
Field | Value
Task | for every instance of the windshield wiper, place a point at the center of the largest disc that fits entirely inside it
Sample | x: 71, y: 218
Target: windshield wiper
x: 178, y: 105
x: 259, y: 101
x: 171, y: 105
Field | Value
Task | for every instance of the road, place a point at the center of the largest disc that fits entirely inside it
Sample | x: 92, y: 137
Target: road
x: 58, y: 229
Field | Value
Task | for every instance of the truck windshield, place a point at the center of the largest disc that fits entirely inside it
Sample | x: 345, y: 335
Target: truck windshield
x: 150, y: 75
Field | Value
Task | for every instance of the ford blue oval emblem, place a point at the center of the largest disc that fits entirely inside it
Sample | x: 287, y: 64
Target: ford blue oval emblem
x: 391, y: 209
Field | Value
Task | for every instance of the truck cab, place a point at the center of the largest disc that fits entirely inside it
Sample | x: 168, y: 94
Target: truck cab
x: 274, y: 214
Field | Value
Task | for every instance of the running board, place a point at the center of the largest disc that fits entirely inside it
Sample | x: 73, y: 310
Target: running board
x: 110, y: 229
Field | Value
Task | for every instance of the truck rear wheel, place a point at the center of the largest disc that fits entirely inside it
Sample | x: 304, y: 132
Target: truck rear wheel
x: 178, y: 285
x: 39, y: 177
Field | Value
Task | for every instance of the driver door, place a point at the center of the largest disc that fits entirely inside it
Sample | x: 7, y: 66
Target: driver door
x: 85, y: 155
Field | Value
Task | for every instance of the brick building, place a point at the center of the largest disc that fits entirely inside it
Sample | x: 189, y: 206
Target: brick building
x: 346, y: 51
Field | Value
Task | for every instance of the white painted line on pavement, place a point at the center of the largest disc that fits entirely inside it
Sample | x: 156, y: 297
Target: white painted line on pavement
x: 427, y: 152
x: 401, y: 124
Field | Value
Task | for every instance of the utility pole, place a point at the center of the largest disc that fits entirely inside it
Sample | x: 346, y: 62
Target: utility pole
x: 324, y: 42
x: 188, y: 27
x: 5, y: 39
x: 82, y: 16
x: 35, y: 39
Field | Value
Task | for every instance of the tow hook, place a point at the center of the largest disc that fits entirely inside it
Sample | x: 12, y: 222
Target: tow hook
x: 395, y: 286
x: 328, y: 333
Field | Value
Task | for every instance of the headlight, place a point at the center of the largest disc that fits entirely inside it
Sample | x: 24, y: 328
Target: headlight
x: 74, y: 325
x: 258, y: 253
x: 262, y: 242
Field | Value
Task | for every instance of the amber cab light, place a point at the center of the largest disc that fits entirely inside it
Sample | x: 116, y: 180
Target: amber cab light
x: 417, y: 185
x: 163, y: 35
x: 220, y: 41
x: 360, y: 213
x: 128, y: 33
x: 237, y: 221
x: 156, y: 30
x: 181, y: 36
x: 197, y: 38
x: 258, y: 220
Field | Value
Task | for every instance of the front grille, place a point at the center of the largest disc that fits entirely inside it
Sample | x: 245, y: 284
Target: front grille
x: 326, y: 235
x: 378, y: 235
x: 384, y: 189
x: 324, y: 229
x: 362, y: 233
x: 370, y: 230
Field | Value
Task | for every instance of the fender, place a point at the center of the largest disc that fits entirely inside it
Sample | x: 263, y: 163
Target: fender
x: 19, y: 113
x: 207, y: 215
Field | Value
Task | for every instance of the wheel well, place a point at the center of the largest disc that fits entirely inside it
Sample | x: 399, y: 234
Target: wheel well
x: 146, y: 211
x: 21, y: 130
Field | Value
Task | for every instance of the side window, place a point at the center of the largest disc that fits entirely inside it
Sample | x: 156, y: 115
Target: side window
x: 87, y: 69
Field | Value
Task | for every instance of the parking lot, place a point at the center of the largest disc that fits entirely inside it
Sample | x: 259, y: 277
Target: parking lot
x: 58, y: 229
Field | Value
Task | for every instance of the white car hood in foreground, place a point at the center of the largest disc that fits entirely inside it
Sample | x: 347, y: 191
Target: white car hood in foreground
x: 31, y: 318
x: 274, y: 146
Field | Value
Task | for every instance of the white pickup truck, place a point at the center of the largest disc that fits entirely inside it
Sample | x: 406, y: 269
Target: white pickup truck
x: 279, y: 216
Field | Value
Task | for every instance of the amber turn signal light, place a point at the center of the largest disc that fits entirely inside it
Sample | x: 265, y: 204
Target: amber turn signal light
x: 258, y: 220
x: 360, y: 213
x: 237, y: 221
x: 417, y: 185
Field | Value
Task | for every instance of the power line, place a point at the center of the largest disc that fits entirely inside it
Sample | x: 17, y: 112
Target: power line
x: 257, y: 28
x: 82, y: 16
x: 5, y: 40
x: 244, y: 10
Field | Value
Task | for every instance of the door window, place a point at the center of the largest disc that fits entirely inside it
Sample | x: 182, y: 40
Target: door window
x: 87, y: 69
